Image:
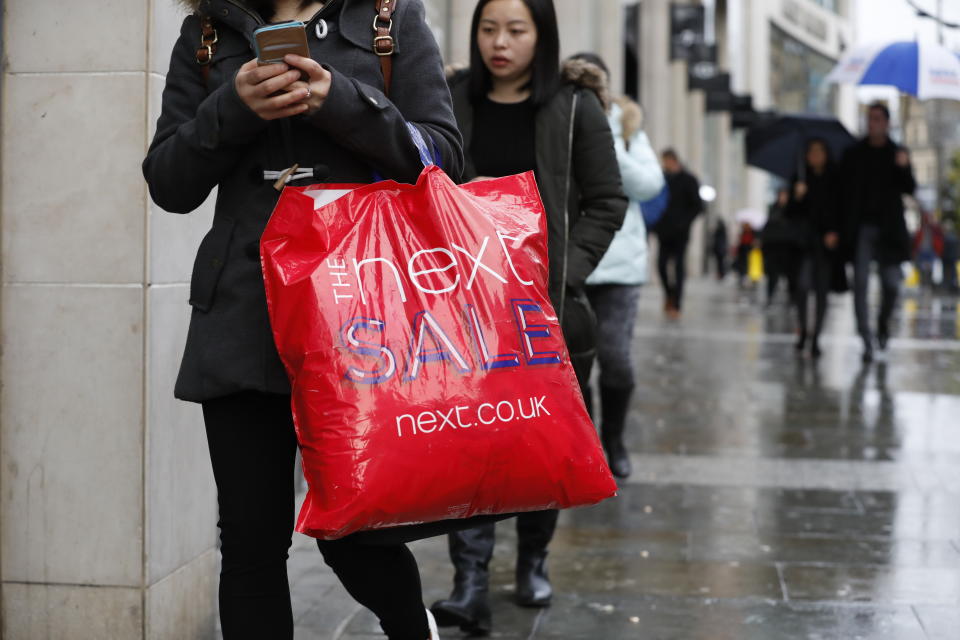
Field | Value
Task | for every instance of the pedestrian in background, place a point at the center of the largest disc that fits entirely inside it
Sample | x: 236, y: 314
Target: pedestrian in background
x: 951, y: 254
x: 673, y: 230
x: 235, y: 125
x: 927, y: 248
x: 518, y: 113
x: 720, y: 248
x: 614, y: 286
x: 780, y: 244
x: 813, y: 213
x: 875, y: 175
x: 746, y: 242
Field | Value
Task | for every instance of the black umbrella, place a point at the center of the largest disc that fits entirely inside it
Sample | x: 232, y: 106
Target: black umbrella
x: 779, y: 145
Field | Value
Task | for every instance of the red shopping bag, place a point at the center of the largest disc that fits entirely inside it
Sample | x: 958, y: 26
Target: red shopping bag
x: 430, y: 378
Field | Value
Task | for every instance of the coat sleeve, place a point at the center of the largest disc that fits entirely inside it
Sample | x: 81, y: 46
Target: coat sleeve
x: 382, y: 130
x: 197, y: 134
x: 639, y: 168
x: 602, y: 201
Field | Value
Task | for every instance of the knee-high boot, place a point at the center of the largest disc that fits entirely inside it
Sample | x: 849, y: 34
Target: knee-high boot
x: 614, y: 405
x: 468, y: 606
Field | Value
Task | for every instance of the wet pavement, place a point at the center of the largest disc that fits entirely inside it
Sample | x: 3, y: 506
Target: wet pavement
x: 774, y: 497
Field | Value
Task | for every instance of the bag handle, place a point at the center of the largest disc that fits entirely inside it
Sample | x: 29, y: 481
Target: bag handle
x: 208, y: 46
x: 383, y: 43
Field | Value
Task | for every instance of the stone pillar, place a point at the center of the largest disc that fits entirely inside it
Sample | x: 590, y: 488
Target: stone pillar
x: 655, y: 73
x: 458, y: 46
x: 108, y: 511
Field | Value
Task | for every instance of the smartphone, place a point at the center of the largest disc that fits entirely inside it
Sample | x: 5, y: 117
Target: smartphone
x: 277, y: 40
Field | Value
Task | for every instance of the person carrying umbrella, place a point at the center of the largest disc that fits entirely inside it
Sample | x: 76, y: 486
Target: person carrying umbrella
x: 874, y: 175
x: 812, y: 211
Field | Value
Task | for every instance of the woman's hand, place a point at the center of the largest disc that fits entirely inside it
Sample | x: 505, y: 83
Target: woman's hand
x: 317, y: 88
x: 831, y: 240
x: 267, y: 90
x: 800, y: 190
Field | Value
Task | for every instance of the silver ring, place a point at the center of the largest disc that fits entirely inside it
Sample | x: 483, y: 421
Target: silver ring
x: 309, y: 92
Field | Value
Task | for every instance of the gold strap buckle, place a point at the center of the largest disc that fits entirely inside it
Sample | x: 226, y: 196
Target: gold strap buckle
x: 205, y: 54
x: 376, y: 48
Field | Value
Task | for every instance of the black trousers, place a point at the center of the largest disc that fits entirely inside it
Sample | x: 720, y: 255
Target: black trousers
x: 814, y: 274
x: 253, y: 450
x: 671, y: 263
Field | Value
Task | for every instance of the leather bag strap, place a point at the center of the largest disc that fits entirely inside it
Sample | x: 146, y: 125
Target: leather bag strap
x: 383, y: 43
x: 208, y: 46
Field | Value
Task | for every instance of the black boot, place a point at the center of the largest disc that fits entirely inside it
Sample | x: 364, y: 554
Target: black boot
x: 815, y: 351
x: 468, y: 606
x: 533, y: 584
x: 534, y: 533
x: 614, y: 403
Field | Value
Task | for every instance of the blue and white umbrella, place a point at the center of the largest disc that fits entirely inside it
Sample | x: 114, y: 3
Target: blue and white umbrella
x: 922, y: 69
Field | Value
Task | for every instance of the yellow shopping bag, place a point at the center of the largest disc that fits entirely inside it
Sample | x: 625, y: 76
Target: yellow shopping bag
x: 755, y: 265
x: 913, y: 277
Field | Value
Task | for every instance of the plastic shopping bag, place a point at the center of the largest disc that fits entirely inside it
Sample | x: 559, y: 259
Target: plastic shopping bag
x: 430, y: 378
x: 755, y: 265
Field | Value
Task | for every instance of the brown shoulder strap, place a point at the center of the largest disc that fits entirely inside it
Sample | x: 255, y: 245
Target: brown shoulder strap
x: 208, y: 46
x: 383, y: 44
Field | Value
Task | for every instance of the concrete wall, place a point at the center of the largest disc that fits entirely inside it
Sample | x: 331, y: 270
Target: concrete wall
x: 107, y: 509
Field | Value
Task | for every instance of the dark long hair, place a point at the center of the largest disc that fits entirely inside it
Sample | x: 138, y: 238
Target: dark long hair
x: 266, y: 8
x: 545, y: 68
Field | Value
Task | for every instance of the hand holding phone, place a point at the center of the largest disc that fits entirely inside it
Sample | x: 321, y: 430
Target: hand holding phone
x: 272, y: 91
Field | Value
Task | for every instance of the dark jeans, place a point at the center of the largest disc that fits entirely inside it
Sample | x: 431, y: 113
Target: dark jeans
x: 867, y: 251
x: 616, y: 309
x: 672, y: 253
x: 253, y: 450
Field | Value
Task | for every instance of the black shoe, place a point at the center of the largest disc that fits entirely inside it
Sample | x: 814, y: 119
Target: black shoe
x: 468, y: 606
x: 867, y: 356
x: 469, y: 611
x: 882, y: 340
x: 815, y: 351
x: 801, y: 342
x: 614, y: 404
x: 617, y: 458
x: 533, y: 585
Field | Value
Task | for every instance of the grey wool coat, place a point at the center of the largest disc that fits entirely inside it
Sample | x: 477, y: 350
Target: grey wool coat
x: 207, y: 137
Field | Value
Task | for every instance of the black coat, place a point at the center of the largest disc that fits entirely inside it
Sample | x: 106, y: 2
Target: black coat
x: 818, y: 212
x: 578, y: 177
x: 683, y: 206
x: 207, y: 137
x: 888, y: 185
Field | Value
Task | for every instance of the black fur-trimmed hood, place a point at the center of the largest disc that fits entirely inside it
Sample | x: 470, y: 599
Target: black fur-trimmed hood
x: 588, y: 76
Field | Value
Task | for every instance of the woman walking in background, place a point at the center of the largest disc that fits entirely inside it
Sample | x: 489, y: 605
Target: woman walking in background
x: 517, y: 113
x: 614, y: 287
x: 227, y: 122
x: 812, y: 212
